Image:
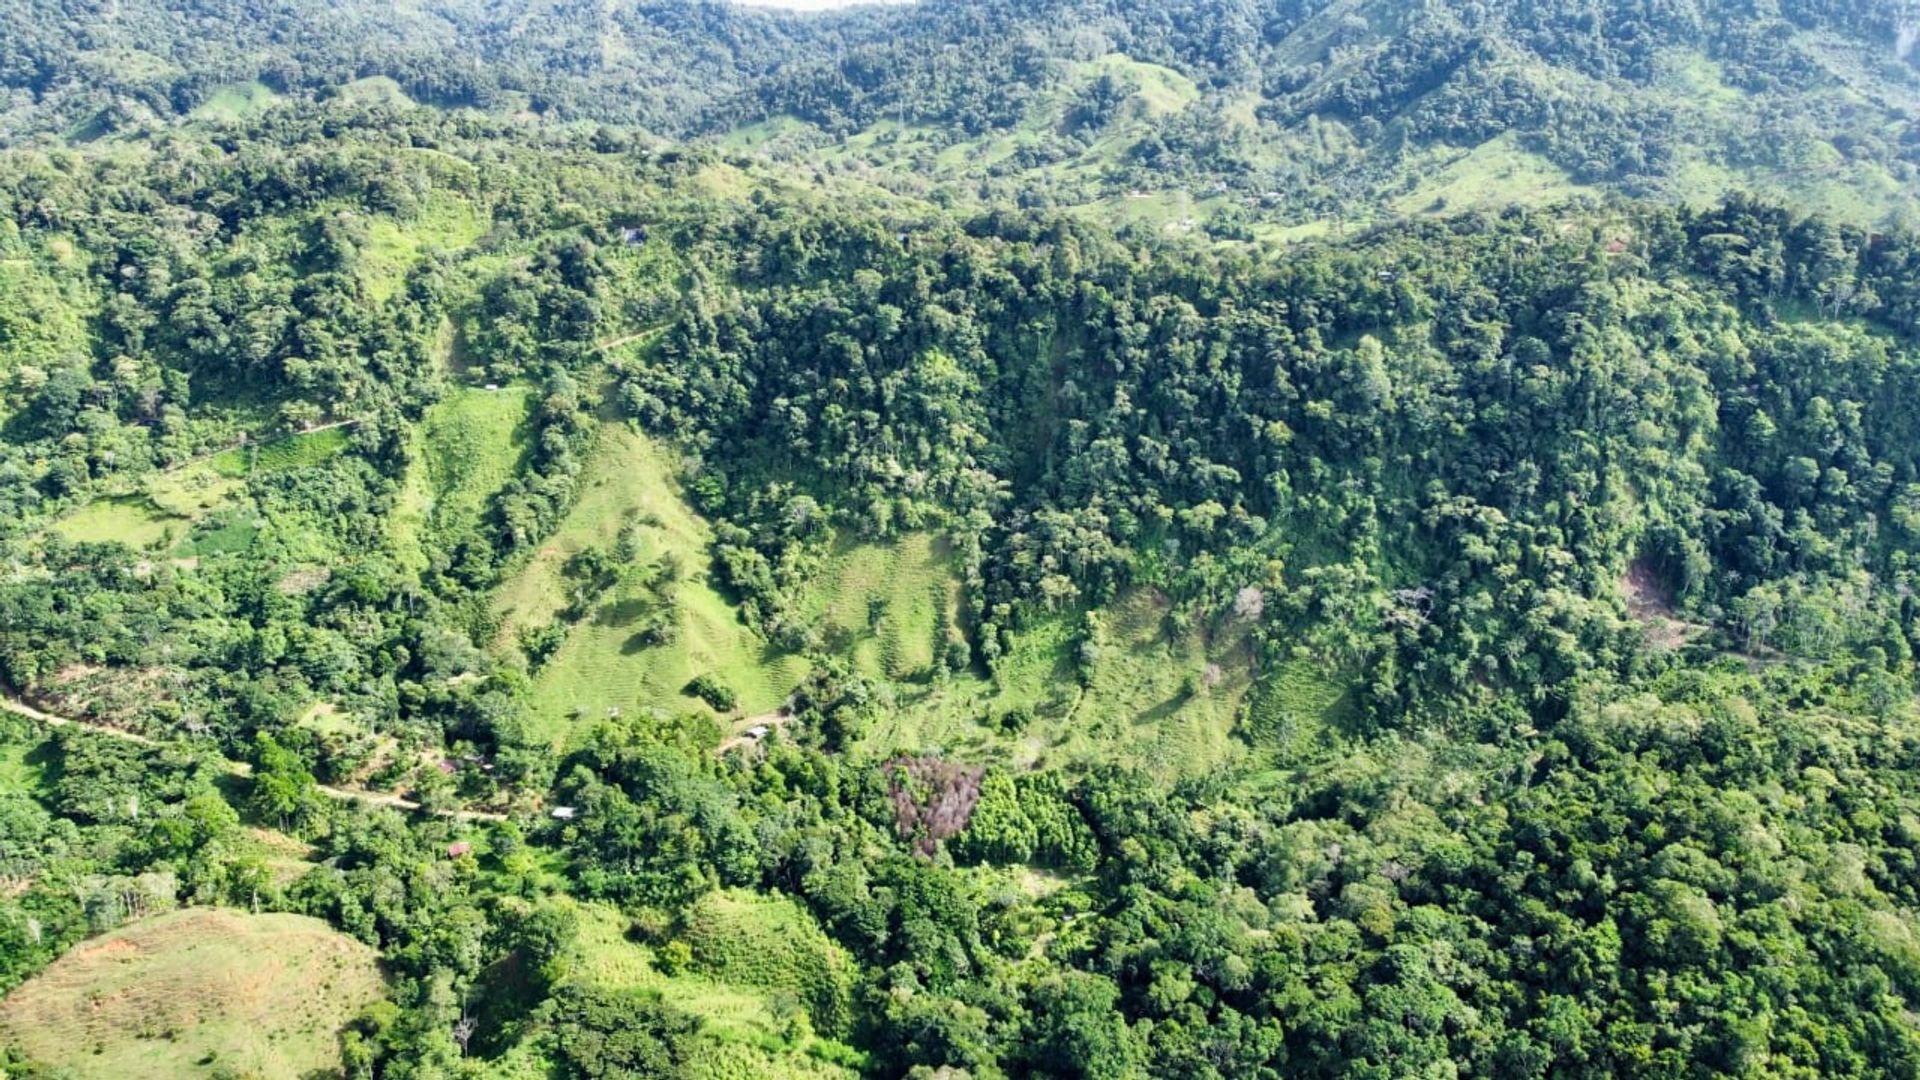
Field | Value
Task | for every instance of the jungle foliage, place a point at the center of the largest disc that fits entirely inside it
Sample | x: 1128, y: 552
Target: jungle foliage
x: 1554, y: 570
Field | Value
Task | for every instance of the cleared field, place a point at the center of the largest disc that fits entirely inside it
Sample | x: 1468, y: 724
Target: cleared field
x: 470, y: 445
x: 746, y: 1029
x: 1160, y: 698
x: 172, y: 503
x: 443, y: 222
x: 236, y: 101
x: 1166, y: 699
x: 298, y: 451
x: 184, y: 993
x: 1160, y: 91
x: 376, y: 90
x: 771, y: 944
x: 19, y: 772
x: 891, y: 606
x: 127, y: 519
x: 132, y: 520
x: 1290, y: 707
x: 605, y: 663
x: 198, y: 489
x: 1495, y: 173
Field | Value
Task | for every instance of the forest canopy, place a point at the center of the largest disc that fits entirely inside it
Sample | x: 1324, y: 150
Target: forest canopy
x: 622, y: 521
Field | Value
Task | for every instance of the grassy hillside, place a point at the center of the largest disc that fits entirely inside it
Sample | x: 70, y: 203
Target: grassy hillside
x: 442, y: 222
x: 182, y: 993
x: 236, y: 101
x: 605, y: 663
x: 200, y: 507
x: 1148, y: 694
x: 773, y: 946
x: 129, y: 519
x: 469, y: 446
x: 747, y: 954
x: 890, y: 607
x: 1153, y: 694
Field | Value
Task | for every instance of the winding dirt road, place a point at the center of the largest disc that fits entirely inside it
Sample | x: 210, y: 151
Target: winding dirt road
x: 242, y: 769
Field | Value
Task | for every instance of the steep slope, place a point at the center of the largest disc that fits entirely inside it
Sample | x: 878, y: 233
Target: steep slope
x: 165, y: 997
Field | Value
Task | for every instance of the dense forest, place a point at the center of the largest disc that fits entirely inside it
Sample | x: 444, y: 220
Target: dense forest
x: 688, y: 615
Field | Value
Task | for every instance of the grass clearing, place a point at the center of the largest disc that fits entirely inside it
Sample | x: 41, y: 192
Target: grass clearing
x: 1292, y: 705
x: 124, y: 62
x: 376, y: 90
x: 461, y: 454
x: 889, y: 606
x: 1162, y: 699
x: 745, y: 1032
x: 182, y: 993
x: 756, y: 136
x: 1699, y: 82
x: 604, y: 664
x: 132, y: 520
x: 298, y: 451
x: 1161, y: 91
x: 470, y: 445
x: 772, y: 944
x: 1498, y: 172
x: 19, y: 743
x: 443, y: 222
x: 225, y: 534
x: 236, y: 101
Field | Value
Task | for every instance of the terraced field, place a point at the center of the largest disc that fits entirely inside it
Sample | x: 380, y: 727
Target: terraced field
x: 469, y: 446
x: 893, y: 605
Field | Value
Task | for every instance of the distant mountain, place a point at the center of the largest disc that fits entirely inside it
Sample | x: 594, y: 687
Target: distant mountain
x: 1322, y: 107
x: 1203, y: 107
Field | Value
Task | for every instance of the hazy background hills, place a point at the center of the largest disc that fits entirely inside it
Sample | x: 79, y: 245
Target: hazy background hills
x: 1203, y: 112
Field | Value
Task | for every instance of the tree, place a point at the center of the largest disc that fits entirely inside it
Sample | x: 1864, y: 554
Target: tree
x: 283, y: 790
x: 625, y: 1035
x: 1075, y: 1029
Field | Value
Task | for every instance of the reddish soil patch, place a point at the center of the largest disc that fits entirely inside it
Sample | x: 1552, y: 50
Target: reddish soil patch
x: 1650, y: 602
x: 1647, y: 596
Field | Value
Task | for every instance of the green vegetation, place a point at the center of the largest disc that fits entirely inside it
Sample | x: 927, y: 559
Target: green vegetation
x: 178, y: 994
x: 893, y: 608
x: 236, y: 101
x: 471, y: 445
x: 44, y: 305
x: 1285, y: 113
x: 1494, y: 174
x: 439, y: 223
x: 774, y: 946
x: 736, y: 1014
x: 1114, y: 686
x: 969, y: 539
x: 635, y: 644
x: 130, y: 520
